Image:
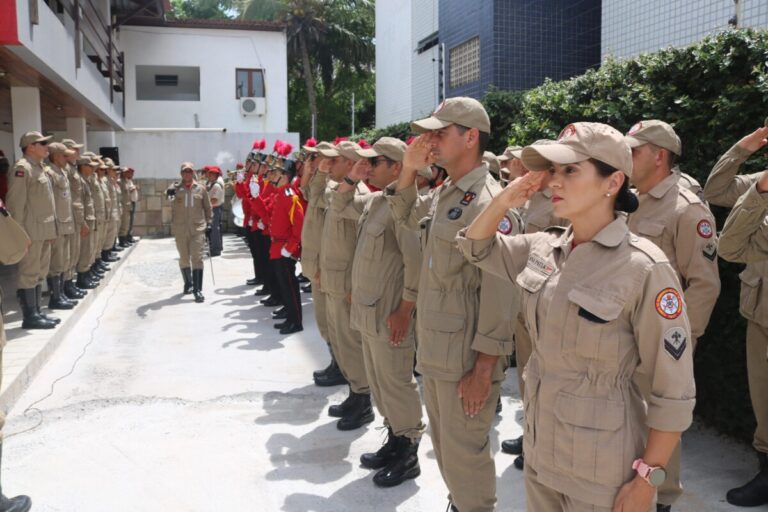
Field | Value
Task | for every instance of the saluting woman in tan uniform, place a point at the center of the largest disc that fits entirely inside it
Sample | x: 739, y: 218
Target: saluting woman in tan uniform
x: 605, y: 312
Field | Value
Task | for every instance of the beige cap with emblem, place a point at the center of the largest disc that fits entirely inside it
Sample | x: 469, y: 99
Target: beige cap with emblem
x: 578, y: 142
x: 492, y: 162
x: 187, y: 166
x: 654, y: 132
x: 509, y: 153
x: 390, y: 147
x: 32, y: 137
x: 462, y: 111
x: 57, y: 148
x: 71, y: 144
x: 346, y: 149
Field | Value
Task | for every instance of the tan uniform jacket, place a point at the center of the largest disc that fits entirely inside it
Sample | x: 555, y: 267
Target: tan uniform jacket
x: 601, y: 317
x: 538, y: 214
x: 338, y: 243
x: 99, y: 201
x: 689, y: 182
x: 191, y: 210
x: 30, y: 200
x: 387, y: 261
x: 449, y: 324
x: 681, y: 225
x: 312, y: 230
x: 125, y: 193
x: 723, y: 188
x: 115, y: 200
x: 89, y: 205
x: 76, y: 189
x: 65, y: 222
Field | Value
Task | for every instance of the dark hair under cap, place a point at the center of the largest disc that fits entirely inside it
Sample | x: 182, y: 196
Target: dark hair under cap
x: 626, y: 200
x: 289, y: 169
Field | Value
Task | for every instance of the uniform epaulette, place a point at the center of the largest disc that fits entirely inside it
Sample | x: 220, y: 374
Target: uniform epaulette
x: 648, y: 248
x: 288, y: 192
x: 689, y: 196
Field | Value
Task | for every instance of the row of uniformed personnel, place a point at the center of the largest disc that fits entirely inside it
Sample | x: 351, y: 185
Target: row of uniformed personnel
x: 77, y: 211
x: 610, y: 305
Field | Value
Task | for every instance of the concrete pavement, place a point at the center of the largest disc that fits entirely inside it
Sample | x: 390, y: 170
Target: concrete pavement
x: 178, y: 406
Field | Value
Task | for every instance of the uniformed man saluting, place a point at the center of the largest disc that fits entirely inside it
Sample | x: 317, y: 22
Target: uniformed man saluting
x: 191, y: 214
x: 460, y: 348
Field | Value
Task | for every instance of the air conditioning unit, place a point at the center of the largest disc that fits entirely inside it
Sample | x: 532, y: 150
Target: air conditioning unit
x: 253, y: 106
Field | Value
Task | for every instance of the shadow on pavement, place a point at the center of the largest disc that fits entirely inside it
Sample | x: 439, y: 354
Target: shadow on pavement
x: 160, y: 304
x: 300, y: 406
x: 358, y: 495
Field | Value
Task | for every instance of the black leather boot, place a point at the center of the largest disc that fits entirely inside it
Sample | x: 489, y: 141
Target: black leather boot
x: 72, y: 291
x: 254, y: 281
x: 340, y: 409
x: 359, y: 413
x: 755, y: 492
x: 108, y: 257
x: 18, y: 504
x: 270, y: 301
x: 197, y: 284
x: 280, y: 313
x: 95, y: 275
x: 32, y: 319
x: 332, y: 377
x: 186, y: 273
x: 512, y: 446
x: 38, y: 306
x: 263, y: 291
x: 57, y: 300
x: 403, y: 466
x: 291, y: 328
x: 85, y: 282
x: 99, y: 267
x: 124, y: 243
x: 320, y: 373
x: 382, y: 457
x: 117, y: 247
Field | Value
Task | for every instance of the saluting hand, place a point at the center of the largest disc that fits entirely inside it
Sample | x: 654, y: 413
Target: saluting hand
x: 517, y: 193
x: 754, y: 140
x: 324, y: 166
x: 420, y: 153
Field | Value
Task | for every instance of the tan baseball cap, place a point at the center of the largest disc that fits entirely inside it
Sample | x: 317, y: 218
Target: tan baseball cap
x: 187, y: 166
x: 578, y: 142
x: 346, y: 149
x: 71, y: 144
x: 462, y: 111
x: 654, y: 132
x: 493, y: 163
x: 32, y: 137
x: 508, y: 153
x: 89, y: 154
x: 84, y: 160
x: 57, y: 148
x: 109, y: 162
x: 102, y: 165
x: 323, y: 145
x: 390, y: 147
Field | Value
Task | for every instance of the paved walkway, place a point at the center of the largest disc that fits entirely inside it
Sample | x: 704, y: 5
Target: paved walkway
x: 178, y: 406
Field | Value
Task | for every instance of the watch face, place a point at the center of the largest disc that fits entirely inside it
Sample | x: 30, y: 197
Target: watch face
x: 657, y: 477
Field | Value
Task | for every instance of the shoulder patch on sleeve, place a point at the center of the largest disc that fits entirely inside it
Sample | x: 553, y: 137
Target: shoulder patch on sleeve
x: 505, y: 225
x: 704, y: 229
x: 675, y: 342
x: 710, y: 251
x: 669, y: 303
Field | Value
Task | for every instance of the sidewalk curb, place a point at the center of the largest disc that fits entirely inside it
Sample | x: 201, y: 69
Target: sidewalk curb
x: 21, y: 382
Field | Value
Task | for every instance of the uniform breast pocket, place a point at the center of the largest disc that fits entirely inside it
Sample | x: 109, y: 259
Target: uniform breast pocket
x: 589, y: 438
x: 363, y: 312
x: 445, y: 258
x: 374, y: 241
x: 443, y: 337
x: 591, y: 327
x: 531, y: 283
x: 652, y: 230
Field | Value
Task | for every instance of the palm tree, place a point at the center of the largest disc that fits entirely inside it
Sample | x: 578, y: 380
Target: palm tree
x: 322, y: 36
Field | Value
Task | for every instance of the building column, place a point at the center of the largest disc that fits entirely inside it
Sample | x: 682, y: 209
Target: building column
x: 76, y: 130
x: 25, y: 114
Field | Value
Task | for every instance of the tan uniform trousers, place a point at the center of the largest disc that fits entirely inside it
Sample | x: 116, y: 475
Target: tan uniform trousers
x: 191, y: 248
x: 346, y: 343
x: 540, y: 498
x: 395, y: 390
x: 74, y: 255
x: 757, y: 375
x: 33, y: 267
x: 461, y: 445
x: 98, y: 240
x: 110, y: 235
x: 60, y: 254
x: 85, y: 258
x: 125, y: 221
x: 321, y: 313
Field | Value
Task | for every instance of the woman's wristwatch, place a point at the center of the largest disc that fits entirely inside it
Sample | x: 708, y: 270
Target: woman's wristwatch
x: 654, y: 475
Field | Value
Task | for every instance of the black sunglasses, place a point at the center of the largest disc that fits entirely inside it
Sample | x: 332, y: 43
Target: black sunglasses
x: 41, y: 143
x: 374, y: 160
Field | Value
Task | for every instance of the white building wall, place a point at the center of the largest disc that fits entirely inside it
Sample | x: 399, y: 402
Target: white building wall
x: 393, y: 61
x: 218, y: 53
x: 632, y: 27
x: 425, y: 66
x: 7, y: 144
x: 50, y: 48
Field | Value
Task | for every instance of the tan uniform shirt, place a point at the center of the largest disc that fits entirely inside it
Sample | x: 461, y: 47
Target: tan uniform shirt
x: 745, y: 235
x: 76, y: 189
x: 89, y: 204
x: 449, y: 324
x: 723, y: 188
x: 681, y: 225
x: 312, y: 230
x: 65, y: 222
x: 600, y: 316
x: 106, y: 190
x: 387, y: 261
x: 99, y: 201
x: 116, y: 201
x: 30, y: 199
x: 125, y: 194
x: 337, y: 244
x: 689, y: 182
x: 538, y: 213
x: 191, y: 210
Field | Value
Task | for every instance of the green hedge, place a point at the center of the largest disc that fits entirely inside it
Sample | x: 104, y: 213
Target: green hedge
x: 713, y: 93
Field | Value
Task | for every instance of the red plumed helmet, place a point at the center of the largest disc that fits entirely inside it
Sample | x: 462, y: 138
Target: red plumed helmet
x: 259, y: 144
x: 285, y: 149
x: 363, y: 144
x: 339, y: 139
x: 311, y: 142
x: 277, y: 146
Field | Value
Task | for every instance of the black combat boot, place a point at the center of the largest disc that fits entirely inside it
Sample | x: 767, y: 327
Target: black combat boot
x: 85, y: 282
x: 109, y: 257
x: 331, y: 376
x: 17, y: 504
x: 280, y: 313
x: 58, y: 300
x: 290, y: 328
x: 32, y: 319
x: 70, y: 290
x: 755, y: 492
x: 116, y: 247
x: 340, y: 409
x: 197, y: 284
x: 186, y: 273
x: 39, y: 301
x: 382, y: 457
x: 512, y: 446
x: 403, y: 466
x: 358, y: 414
